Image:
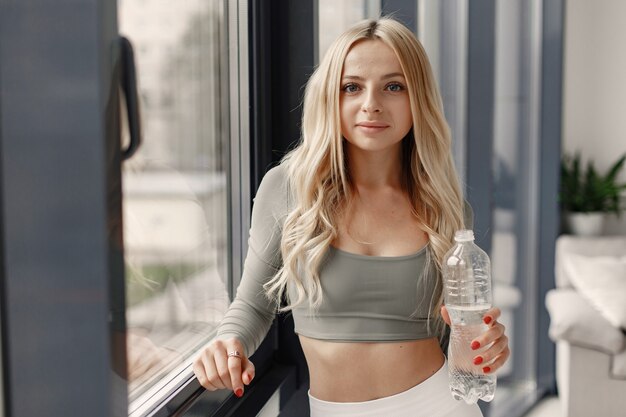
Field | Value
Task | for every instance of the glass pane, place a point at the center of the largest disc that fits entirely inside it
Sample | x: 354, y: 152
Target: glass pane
x: 176, y: 218
x: 443, y: 30
x: 336, y: 16
x: 513, y: 237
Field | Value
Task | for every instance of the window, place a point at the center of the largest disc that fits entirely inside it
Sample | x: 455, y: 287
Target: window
x: 337, y: 16
x: 177, y: 189
x: 444, y: 30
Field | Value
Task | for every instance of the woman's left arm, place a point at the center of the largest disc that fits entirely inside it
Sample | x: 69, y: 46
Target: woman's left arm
x: 498, y: 351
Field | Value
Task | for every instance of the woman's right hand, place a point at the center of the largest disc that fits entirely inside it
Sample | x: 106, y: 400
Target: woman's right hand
x: 215, y: 369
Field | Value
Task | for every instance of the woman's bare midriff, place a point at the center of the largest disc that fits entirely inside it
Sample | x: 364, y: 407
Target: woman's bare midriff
x: 355, y: 371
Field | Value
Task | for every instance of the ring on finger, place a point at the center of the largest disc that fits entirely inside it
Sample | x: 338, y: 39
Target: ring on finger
x: 234, y: 354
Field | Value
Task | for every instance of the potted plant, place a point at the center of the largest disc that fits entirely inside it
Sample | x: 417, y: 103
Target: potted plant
x: 586, y: 195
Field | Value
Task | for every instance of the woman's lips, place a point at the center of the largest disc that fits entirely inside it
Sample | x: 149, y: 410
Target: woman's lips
x: 372, y: 127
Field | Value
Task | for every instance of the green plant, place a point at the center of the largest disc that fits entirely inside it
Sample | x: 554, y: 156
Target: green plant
x: 587, y: 190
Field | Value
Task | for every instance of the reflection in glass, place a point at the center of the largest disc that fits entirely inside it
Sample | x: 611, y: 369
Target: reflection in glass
x: 175, y: 188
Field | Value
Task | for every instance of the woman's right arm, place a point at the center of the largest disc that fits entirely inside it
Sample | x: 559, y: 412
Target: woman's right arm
x: 251, y: 314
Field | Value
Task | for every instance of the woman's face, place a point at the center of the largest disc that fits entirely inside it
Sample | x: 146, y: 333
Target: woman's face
x: 375, y: 110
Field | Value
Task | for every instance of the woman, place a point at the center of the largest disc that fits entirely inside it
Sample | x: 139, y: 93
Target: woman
x: 353, y: 226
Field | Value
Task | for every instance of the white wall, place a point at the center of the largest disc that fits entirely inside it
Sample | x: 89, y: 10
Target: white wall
x: 594, y: 106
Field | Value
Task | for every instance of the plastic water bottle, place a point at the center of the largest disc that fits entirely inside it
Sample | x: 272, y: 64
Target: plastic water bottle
x: 467, y: 281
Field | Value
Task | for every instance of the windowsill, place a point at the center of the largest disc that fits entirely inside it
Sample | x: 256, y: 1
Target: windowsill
x: 179, y: 389
x: 156, y: 396
x: 160, y: 393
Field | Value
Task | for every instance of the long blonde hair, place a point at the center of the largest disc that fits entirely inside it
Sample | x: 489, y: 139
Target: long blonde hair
x: 317, y: 172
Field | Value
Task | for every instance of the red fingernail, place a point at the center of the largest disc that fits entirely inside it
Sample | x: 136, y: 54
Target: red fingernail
x: 475, y: 345
x: 478, y: 360
x: 487, y: 319
x: 486, y: 369
x: 239, y: 392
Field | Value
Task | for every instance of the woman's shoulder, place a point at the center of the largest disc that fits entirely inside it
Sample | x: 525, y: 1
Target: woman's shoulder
x: 274, y: 183
x: 276, y: 177
x: 273, y: 192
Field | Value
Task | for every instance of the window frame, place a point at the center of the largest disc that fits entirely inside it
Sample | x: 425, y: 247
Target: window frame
x: 57, y: 262
x: 259, y: 136
x: 175, y: 395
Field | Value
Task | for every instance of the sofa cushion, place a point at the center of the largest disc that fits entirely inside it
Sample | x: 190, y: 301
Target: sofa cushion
x: 572, y: 319
x: 602, y: 281
x: 584, y: 245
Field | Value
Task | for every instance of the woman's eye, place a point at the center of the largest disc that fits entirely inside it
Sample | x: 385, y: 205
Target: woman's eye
x: 350, y: 88
x: 395, y: 87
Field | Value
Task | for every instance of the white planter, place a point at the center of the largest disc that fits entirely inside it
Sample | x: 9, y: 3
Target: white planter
x: 586, y: 224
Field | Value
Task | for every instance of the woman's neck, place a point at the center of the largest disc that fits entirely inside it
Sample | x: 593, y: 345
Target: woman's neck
x: 371, y: 170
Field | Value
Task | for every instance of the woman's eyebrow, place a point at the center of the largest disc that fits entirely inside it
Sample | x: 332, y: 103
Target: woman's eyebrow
x: 384, y: 77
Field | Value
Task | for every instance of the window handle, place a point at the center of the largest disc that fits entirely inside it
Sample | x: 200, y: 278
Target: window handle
x: 129, y: 87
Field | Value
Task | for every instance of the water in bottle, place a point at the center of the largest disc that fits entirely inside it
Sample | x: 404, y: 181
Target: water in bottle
x: 467, y: 294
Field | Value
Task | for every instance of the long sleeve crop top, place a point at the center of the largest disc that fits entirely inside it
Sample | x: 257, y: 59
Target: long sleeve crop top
x: 365, y: 298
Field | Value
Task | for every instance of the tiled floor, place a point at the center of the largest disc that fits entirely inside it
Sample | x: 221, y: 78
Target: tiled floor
x: 548, y: 407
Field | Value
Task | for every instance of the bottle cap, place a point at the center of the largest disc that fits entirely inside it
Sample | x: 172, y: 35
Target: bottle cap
x: 464, y: 235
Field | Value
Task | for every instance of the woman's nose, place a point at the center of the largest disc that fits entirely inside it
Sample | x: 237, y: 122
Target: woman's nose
x: 371, y: 104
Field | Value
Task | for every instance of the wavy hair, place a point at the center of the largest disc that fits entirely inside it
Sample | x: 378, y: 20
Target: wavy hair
x: 318, y: 176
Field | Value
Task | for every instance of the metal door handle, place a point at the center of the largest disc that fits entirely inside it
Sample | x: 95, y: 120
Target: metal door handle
x: 129, y: 87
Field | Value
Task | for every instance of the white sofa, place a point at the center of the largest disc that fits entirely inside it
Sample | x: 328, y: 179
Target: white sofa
x: 591, y: 352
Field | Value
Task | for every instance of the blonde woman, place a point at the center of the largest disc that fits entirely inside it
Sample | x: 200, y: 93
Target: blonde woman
x: 352, y: 227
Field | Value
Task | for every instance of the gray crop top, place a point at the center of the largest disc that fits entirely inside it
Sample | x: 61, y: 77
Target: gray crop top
x: 365, y: 298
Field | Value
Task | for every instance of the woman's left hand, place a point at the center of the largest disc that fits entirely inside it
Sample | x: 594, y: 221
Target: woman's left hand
x: 491, y: 359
